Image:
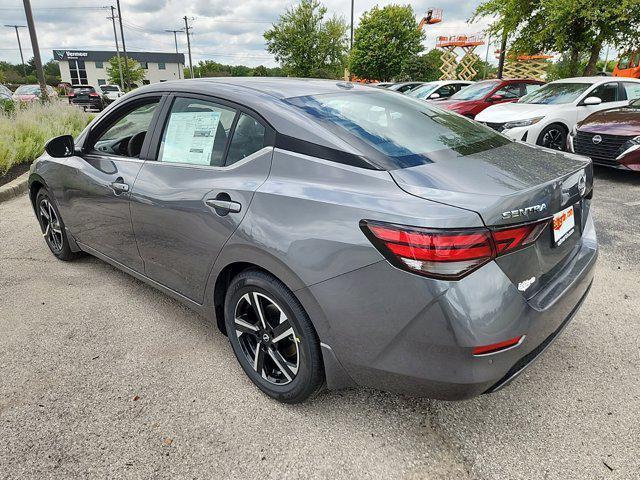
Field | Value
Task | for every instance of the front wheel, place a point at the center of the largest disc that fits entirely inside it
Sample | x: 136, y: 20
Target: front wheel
x: 553, y: 137
x: 52, y: 226
x: 273, y: 338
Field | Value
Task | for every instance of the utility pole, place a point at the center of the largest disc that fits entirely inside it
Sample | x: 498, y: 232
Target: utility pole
x: 503, y: 52
x: 187, y: 28
x: 24, y: 68
x: 606, y: 60
x: 36, y: 49
x: 115, y: 35
x: 124, y: 48
x: 175, y: 39
x: 486, y: 58
x: 351, y: 42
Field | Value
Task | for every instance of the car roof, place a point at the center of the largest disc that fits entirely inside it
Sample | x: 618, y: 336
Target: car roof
x: 595, y: 79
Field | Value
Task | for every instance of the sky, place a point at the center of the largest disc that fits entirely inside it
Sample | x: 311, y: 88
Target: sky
x: 223, y: 30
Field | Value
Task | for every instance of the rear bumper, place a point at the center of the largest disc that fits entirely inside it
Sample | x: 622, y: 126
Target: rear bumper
x: 92, y: 103
x: 396, y: 331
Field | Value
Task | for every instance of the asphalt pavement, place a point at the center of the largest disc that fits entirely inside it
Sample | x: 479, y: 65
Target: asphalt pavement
x: 102, y: 376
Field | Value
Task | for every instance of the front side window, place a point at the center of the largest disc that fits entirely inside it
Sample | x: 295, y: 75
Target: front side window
x: 609, y: 92
x: 509, y: 91
x: 531, y: 87
x: 248, y: 138
x: 196, y: 133
x: 404, y: 130
x: 476, y: 91
x: 423, y: 91
x: 126, y: 134
x: 556, y: 93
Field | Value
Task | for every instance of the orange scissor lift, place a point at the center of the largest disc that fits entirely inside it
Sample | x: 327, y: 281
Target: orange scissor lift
x: 526, y: 66
x: 450, y: 63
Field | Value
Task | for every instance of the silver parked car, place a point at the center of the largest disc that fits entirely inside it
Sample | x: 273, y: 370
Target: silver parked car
x: 336, y: 233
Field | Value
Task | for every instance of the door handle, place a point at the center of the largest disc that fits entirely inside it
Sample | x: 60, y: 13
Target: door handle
x: 120, y: 187
x: 224, y: 205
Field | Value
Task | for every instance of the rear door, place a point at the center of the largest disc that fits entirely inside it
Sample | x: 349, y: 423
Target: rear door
x: 95, y: 198
x: 209, y: 157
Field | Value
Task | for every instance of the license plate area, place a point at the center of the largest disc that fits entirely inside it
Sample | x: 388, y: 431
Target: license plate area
x: 563, y: 225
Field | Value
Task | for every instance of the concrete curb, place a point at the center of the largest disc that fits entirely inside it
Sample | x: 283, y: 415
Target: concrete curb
x: 14, y: 188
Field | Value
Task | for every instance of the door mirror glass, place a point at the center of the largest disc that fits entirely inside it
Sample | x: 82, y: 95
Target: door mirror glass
x: 592, y: 101
x: 434, y: 95
x: 60, y: 147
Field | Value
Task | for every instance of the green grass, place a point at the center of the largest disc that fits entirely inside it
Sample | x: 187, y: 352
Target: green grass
x: 25, y: 130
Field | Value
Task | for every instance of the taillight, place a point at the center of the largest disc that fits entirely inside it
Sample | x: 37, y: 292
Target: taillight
x: 446, y: 254
x: 94, y: 94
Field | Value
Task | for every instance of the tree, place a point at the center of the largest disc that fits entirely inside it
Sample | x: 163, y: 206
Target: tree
x: 260, y: 71
x: 386, y: 40
x: 571, y: 27
x: 422, y: 68
x: 136, y: 72
x: 307, y: 45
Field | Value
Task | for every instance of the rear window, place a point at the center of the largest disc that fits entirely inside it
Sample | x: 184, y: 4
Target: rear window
x: 396, y: 131
x: 109, y: 88
x: 83, y: 89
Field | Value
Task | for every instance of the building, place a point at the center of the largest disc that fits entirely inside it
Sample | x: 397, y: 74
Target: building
x: 84, y: 67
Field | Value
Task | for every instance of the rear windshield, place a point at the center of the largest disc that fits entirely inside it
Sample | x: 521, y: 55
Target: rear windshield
x: 556, y: 93
x: 395, y: 131
x: 83, y: 89
x: 475, y: 92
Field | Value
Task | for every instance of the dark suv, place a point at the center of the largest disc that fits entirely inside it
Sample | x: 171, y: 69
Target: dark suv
x: 87, y: 97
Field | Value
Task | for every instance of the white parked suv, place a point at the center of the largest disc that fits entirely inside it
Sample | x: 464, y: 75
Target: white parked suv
x: 111, y: 92
x: 547, y: 116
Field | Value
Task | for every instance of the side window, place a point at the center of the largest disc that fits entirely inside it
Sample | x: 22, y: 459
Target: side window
x: 126, y: 133
x: 446, y: 91
x: 608, y: 92
x: 248, y: 138
x: 531, y: 87
x: 632, y: 89
x: 196, y: 132
x: 509, y: 91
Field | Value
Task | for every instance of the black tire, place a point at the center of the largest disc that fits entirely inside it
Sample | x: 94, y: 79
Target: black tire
x: 58, y: 243
x: 275, y: 300
x: 554, y: 137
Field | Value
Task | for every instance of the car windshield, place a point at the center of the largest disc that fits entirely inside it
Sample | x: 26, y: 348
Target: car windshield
x: 475, y: 92
x: 556, y: 93
x: 635, y: 103
x: 28, y: 90
x: 396, y: 131
x: 109, y: 88
x: 423, y: 91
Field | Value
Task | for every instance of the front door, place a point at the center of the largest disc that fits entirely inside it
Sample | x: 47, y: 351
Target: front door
x: 96, y: 197
x: 211, y: 157
x: 612, y: 94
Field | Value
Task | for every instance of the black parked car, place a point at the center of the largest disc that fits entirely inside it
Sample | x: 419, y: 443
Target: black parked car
x: 87, y: 97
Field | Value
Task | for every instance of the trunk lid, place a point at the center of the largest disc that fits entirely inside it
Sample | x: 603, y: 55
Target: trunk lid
x: 511, y: 185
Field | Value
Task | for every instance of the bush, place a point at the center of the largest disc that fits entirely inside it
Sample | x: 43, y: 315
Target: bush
x: 24, y: 131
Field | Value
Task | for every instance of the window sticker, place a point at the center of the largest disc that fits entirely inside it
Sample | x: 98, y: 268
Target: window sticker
x: 190, y: 137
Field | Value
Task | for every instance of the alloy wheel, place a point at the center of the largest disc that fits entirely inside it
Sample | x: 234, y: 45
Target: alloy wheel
x: 51, y: 225
x: 553, y: 139
x: 267, y: 338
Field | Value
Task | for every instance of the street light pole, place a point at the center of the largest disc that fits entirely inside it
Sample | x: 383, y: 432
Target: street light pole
x: 35, y: 48
x: 24, y: 68
x: 351, y: 42
x: 175, y: 39
x: 115, y: 35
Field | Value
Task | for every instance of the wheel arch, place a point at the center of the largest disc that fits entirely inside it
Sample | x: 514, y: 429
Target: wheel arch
x: 36, y: 182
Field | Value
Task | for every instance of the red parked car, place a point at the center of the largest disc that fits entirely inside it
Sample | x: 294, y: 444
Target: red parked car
x: 470, y: 101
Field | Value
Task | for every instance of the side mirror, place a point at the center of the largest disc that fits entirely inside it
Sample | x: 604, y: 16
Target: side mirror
x: 61, y: 147
x: 496, y: 98
x: 592, y: 101
x: 434, y: 96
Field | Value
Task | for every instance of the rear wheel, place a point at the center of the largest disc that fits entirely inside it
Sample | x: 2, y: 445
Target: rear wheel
x: 52, y: 226
x: 554, y: 137
x: 272, y: 337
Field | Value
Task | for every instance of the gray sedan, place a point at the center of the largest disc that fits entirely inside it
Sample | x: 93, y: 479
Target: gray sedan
x: 339, y: 235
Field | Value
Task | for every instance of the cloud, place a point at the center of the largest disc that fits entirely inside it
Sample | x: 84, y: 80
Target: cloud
x: 223, y: 30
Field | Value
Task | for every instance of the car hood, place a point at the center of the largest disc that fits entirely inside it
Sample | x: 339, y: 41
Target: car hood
x: 510, y: 177
x: 509, y: 112
x: 618, y: 121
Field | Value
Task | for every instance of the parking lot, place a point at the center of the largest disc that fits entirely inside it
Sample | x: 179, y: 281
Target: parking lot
x: 102, y: 376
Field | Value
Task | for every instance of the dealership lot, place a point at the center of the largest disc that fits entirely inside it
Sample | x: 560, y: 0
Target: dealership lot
x: 102, y: 376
